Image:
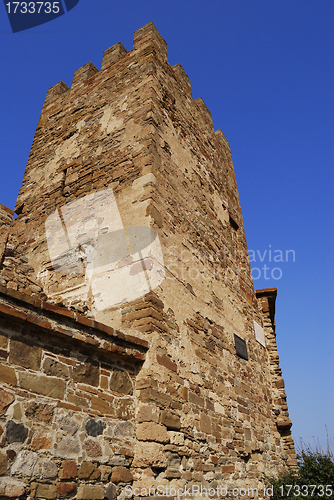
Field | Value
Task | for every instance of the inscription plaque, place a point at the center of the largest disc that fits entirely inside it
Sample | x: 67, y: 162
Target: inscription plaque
x: 241, y: 347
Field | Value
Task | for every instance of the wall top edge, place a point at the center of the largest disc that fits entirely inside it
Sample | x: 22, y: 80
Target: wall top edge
x: 41, y: 308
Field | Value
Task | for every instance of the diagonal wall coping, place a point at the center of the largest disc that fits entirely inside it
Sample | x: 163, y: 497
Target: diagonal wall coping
x: 53, y: 319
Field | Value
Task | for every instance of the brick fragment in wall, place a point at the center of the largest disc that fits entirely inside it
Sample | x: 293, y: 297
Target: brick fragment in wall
x: 66, y: 489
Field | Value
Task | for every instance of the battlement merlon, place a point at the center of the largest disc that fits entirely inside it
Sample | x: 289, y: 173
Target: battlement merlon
x: 147, y: 43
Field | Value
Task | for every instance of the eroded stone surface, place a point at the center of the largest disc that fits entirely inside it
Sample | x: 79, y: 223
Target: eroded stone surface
x: 67, y: 424
x: 93, y: 448
x: 25, y: 463
x: 49, y: 469
x: 149, y: 454
x: 68, y: 447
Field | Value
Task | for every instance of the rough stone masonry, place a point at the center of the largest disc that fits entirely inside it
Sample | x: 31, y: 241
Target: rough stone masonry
x: 135, y: 355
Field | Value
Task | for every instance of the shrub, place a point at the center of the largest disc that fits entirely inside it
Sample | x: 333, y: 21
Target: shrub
x: 314, y: 478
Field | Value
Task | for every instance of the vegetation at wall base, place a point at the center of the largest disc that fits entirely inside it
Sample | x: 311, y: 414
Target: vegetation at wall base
x: 314, y: 478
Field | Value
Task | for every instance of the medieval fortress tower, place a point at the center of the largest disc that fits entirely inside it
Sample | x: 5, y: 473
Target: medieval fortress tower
x: 136, y: 359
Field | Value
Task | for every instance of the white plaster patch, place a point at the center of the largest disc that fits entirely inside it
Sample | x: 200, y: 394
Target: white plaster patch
x: 120, y: 263
x: 109, y: 122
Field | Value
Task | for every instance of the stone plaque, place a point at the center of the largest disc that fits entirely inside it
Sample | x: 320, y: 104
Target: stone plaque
x: 259, y: 334
x: 241, y: 347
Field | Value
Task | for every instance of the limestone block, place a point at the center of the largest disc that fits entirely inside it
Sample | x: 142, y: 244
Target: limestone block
x: 67, y: 447
x: 219, y: 408
x: 69, y: 470
x: 25, y: 355
x: 149, y: 455
x: 85, y: 470
x: 3, y: 463
x: 47, y: 491
x: 150, y: 431
x: 176, y: 438
x: 124, y: 429
x: 55, y: 369
x: 49, y: 469
x: 170, y: 420
x: 47, y: 386
x: 87, y: 373
x: 88, y: 492
x: 105, y: 471
x: 125, y: 409
x: 148, y: 413
x: 7, y: 375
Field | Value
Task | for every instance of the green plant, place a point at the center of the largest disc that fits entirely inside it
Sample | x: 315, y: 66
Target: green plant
x: 314, y: 478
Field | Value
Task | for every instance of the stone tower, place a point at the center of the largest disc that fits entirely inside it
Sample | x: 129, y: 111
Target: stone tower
x: 136, y: 353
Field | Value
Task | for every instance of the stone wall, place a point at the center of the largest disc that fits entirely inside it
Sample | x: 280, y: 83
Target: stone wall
x: 127, y: 155
x: 6, y: 216
x: 266, y: 299
x: 67, y: 402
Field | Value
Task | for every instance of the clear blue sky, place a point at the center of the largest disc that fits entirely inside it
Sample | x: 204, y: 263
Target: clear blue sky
x: 265, y: 70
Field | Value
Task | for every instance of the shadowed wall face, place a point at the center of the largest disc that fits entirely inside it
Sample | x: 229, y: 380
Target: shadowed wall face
x: 6, y: 216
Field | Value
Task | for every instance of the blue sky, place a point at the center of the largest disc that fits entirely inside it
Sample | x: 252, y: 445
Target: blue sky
x: 265, y: 70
